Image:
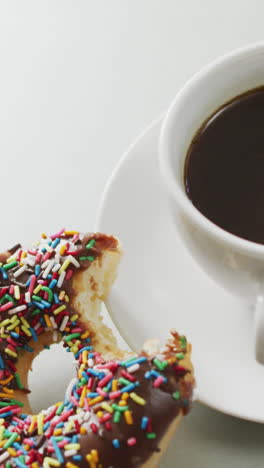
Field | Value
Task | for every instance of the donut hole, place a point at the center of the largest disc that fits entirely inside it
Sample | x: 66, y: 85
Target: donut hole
x: 48, y: 369
x: 52, y: 370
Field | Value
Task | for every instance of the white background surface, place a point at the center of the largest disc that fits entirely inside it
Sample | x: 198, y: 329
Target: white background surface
x: 78, y: 81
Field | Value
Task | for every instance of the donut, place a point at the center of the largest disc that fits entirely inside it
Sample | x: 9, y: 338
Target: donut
x: 122, y: 409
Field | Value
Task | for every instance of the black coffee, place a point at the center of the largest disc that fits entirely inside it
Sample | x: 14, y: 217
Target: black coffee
x: 224, y: 169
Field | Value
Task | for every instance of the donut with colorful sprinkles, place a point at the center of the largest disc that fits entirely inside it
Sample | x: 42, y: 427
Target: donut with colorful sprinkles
x: 122, y: 408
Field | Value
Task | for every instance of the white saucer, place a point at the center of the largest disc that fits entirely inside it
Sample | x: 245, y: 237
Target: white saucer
x: 160, y: 287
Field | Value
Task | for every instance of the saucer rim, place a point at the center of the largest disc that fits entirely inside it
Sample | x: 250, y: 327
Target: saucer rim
x: 128, y: 153
x: 157, y: 121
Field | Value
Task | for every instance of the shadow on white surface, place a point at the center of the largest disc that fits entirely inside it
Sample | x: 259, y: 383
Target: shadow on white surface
x: 208, y: 439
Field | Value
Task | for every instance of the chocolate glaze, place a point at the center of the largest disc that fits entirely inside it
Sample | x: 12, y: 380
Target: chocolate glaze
x: 163, y: 410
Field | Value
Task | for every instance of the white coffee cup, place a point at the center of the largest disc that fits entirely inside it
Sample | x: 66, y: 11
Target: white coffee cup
x: 235, y: 263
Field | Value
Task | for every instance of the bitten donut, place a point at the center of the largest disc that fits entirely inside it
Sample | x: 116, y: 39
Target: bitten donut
x: 121, y: 410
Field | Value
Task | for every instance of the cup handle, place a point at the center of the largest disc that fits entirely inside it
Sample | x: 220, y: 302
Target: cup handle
x: 259, y: 329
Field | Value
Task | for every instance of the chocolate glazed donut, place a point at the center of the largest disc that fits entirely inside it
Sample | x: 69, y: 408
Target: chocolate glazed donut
x: 121, y: 410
